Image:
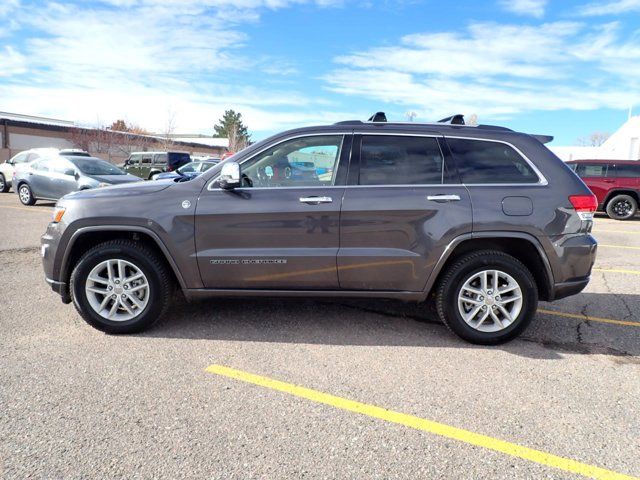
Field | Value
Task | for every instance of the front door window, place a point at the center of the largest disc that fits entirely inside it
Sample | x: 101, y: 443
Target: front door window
x: 301, y: 162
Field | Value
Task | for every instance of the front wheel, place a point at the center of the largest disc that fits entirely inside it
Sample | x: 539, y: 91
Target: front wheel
x: 121, y: 286
x: 622, y: 207
x: 487, y: 297
x: 26, y: 195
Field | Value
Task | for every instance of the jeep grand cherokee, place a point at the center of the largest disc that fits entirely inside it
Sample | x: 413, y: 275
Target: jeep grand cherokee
x: 481, y: 220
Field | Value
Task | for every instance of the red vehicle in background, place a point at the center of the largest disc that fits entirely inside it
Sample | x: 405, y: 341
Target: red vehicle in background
x: 616, y: 184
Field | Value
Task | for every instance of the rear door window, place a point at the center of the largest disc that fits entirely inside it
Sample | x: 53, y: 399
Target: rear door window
x: 591, y: 170
x: 41, y: 165
x: 160, y: 159
x: 400, y: 160
x: 146, y: 160
x: 489, y: 162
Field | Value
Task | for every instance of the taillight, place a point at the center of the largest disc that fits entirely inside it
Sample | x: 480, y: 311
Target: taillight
x: 169, y: 168
x: 585, y: 205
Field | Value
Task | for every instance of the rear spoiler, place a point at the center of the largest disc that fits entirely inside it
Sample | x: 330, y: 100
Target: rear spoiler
x: 543, y: 138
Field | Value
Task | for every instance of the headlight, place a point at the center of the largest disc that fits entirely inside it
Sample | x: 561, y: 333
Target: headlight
x: 58, y: 213
x: 103, y: 184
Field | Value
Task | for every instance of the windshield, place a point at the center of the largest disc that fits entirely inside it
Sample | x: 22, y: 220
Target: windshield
x: 95, y: 166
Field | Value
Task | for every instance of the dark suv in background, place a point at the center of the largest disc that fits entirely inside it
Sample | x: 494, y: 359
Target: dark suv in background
x: 147, y: 164
x: 616, y: 184
x: 481, y: 220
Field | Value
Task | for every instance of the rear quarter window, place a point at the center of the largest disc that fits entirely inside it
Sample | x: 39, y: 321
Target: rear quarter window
x: 489, y: 162
x: 627, y: 171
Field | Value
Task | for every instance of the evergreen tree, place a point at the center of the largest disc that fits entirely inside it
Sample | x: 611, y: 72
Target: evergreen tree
x: 229, y: 123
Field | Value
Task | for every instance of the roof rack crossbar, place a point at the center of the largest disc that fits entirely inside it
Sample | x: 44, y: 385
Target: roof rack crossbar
x: 457, y: 119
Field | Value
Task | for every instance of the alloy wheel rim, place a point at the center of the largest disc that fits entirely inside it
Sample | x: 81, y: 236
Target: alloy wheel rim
x: 117, y: 290
x: 25, y: 195
x: 622, y: 208
x: 1, y: 182
x: 490, y: 301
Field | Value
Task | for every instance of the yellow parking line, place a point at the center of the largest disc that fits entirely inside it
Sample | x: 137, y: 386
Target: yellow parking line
x: 422, y: 424
x: 617, y: 270
x: 591, y: 319
x: 27, y: 209
x: 600, y: 245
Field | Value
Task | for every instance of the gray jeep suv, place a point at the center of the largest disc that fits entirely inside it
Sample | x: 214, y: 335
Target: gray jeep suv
x: 480, y: 220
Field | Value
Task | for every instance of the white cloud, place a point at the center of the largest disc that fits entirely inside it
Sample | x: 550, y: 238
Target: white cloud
x: 615, y: 7
x: 534, y: 8
x: 498, y: 70
x: 139, y: 59
x: 11, y: 62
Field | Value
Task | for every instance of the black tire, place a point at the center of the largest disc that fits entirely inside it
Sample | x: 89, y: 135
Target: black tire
x: 145, y: 259
x: 26, y: 195
x: 467, y: 266
x: 3, y: 184
x: 622, y: 207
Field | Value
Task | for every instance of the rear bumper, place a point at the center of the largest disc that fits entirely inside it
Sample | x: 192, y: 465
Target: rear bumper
x: 566, y: 289
x: 576, y: 255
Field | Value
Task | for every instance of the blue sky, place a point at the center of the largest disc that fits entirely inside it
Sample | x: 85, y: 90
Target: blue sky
x: 565, y: 68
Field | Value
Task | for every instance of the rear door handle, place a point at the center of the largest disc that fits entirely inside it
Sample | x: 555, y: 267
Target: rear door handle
x: 315, y: 200
x: 443, y: 198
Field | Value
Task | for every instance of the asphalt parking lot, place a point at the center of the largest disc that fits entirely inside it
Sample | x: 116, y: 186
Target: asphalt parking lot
x: 406, y: 398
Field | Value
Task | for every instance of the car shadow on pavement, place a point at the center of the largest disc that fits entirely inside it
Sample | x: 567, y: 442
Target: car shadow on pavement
x: 390, y: 323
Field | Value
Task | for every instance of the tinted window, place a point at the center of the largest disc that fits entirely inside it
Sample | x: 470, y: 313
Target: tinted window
x: 307, y: 161
x: 481, y: 161
x: 591, y: 170
x: 398, y: 160
x: 627, y: 171
x: 146, y: 159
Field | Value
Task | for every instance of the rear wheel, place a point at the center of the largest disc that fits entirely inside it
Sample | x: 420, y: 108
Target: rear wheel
x: 622, y: 207
x: 26, y: 195
x: 3, y: 184
x: 121, y: 286
x: 487, y: 297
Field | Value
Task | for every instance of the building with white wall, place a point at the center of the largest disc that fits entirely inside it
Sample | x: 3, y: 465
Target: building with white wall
x: 624, y: 144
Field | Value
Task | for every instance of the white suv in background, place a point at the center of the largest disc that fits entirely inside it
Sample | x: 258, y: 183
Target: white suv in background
x: 8, y: 168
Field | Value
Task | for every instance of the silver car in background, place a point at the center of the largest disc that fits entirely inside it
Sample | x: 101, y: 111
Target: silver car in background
x: 54, y: 176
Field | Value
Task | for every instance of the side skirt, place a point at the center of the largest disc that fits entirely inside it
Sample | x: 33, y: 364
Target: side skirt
x: 193, y: 294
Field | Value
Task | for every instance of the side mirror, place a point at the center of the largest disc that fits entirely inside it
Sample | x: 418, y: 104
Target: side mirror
x: 229, y: 176
x: 76, y: 175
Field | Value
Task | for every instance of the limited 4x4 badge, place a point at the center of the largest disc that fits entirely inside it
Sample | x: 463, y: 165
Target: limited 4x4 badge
x: 266, y: 261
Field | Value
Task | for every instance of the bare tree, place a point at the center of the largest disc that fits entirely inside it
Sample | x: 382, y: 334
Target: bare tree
x: 594, y: 139
x: 237, y: 141
x: 169, y: 130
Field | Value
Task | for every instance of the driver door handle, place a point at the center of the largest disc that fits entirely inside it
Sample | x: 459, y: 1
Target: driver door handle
x: 443, y: 198
x: 315, y: 200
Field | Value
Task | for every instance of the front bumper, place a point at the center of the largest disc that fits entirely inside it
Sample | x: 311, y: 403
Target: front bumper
x: 48, y: 250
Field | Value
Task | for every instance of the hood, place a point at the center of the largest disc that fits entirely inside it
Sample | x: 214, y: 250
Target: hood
x: 115, y: 179
x: 122, y: 190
